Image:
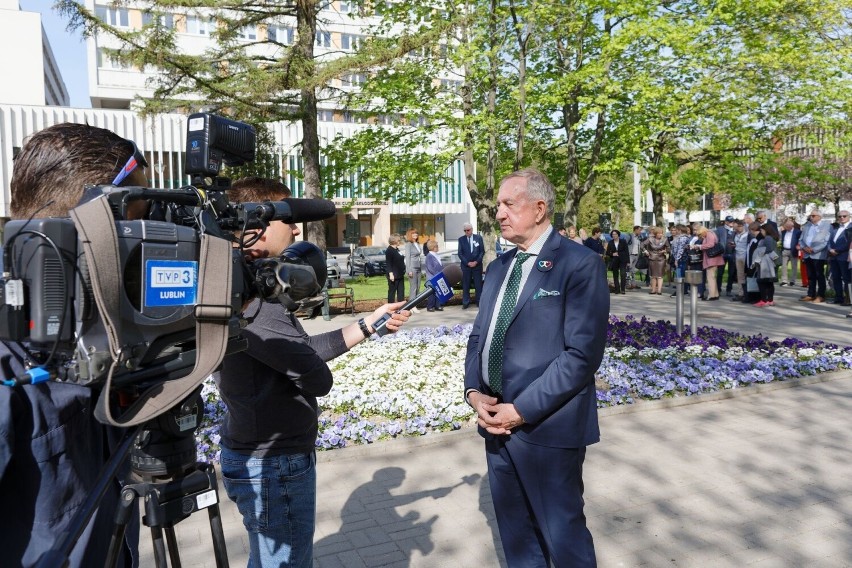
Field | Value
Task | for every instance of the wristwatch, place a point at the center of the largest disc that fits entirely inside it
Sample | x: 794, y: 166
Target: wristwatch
x: 363, y: 325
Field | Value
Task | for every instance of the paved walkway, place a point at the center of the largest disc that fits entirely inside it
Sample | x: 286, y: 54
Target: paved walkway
x: 756, y: 477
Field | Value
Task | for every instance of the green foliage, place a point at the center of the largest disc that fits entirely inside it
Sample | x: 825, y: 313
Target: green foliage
x: 693, y: 91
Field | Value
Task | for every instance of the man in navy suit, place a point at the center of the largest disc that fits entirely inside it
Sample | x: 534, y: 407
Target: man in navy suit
x: 533, y: 389
x: 471, y: 250
x: 838, y: 259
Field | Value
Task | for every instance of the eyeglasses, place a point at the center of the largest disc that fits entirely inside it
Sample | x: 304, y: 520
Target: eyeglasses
x: 136, y: 159
x: 842, y: 216
x: 468, y: 230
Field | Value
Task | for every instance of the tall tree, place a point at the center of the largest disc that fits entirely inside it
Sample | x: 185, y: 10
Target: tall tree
x: 731, y: 76
x: 261, y: 66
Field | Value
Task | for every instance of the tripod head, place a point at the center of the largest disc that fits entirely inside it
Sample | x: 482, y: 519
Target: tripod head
x: 165, y: 446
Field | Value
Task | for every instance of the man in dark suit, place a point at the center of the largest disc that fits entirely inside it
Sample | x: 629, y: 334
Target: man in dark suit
x: 761, y: 218
x: 471, y: 250
x: 838, y: 260
x: 619, y: 257
x: 534, y: 392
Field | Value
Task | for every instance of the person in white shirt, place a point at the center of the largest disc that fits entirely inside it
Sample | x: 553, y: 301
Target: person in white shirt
x: 814, y: 245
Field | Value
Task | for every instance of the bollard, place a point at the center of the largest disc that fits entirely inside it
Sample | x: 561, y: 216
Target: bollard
x: 325, y: 308
x: 849, y: 297
x: 679, y: 304
x: 693, y: 278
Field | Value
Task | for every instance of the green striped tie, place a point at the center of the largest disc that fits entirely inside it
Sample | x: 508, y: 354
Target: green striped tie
x: 507, y: 306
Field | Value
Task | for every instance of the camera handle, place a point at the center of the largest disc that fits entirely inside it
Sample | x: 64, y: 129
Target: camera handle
x: 166, y: 504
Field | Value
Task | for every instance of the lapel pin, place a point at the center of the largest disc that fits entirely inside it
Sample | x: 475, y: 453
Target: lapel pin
x: 544, y: 265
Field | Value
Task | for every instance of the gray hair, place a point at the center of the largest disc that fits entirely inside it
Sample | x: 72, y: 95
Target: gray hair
x: 467, y: 226
x: 394, y: 239
x: 539, y: 187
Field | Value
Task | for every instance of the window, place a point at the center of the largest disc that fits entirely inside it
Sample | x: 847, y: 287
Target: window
x: 106, y: 61
x: 248, y: 33
x: 450, y: 85
x: 325, y: 115
x: 353, y: 79
x: 113, y: 16
x: 353, y: 118
x: 281, y: 34
x: 166, y: 20
x: 351, y: 41
x: 323, y: 39
x: 197, y: 26
x: 344, y: 7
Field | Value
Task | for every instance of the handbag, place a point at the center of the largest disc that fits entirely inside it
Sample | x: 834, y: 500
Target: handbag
x: 715, y: 250
x: 642, y: 262
x: 751, y: 284
x: 696, y: 257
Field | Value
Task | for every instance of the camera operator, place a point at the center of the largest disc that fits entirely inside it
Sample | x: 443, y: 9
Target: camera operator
x: 268, y: 458
x: 51, y: 447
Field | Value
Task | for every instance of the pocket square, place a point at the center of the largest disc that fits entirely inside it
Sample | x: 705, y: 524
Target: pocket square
x: 542, y: 293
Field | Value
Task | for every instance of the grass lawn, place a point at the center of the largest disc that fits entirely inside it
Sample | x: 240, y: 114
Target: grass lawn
x: 370, y: 287
x: 375, y: 288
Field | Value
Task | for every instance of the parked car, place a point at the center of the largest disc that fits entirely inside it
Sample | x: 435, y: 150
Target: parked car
x: 332, y: 268
x: 367, y: 261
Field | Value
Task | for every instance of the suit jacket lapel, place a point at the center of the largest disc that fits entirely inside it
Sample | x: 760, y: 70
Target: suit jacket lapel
x: 548, y: 252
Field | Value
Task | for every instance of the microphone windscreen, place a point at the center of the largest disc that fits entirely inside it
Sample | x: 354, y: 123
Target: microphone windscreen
x: 303, y: 210
x: 453, y: 274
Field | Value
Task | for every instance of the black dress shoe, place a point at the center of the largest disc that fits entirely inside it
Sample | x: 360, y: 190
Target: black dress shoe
x: 430, y: 309
x: 440, y: 309
x: 712, y: 299
x: 464, y: 306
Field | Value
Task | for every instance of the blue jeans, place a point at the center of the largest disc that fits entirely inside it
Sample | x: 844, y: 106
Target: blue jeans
x: 276, y: 496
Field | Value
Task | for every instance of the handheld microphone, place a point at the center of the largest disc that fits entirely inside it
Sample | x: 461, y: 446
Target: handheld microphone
x: 287, y: 210
x: 451, y: 276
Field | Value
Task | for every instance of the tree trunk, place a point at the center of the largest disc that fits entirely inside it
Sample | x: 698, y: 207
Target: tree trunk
x: 306, y: 20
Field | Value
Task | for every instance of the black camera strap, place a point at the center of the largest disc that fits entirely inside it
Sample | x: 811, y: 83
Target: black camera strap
x: 96, y: 229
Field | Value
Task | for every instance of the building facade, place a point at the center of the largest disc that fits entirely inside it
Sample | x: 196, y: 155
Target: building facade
x: 163, y: 141
x: 31, y: 75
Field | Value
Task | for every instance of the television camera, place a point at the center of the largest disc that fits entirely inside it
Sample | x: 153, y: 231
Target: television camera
x: 139, y: 305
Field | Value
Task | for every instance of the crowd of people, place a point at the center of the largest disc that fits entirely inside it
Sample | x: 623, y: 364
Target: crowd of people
x: 752, y: 251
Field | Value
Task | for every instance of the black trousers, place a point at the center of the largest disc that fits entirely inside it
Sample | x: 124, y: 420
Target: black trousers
x: 731, y: 262
x: 767, y: 291
x: 619, y: 275
x: 396, y: 288
x: 816, y: 277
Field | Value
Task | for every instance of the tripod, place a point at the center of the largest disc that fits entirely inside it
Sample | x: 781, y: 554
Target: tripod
x: 162, y: 453
x: 166, y: 504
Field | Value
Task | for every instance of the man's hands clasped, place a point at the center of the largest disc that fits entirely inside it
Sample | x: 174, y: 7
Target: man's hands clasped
x: 498, y: 418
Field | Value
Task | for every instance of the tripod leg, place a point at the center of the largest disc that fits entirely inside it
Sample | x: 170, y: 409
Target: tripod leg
x: 171, y: 541
x: 220, y: 551
x: 126, y: 508
x: 159, y: 547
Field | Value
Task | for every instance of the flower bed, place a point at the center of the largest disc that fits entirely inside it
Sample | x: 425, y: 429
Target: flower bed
x: 410, y: 383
